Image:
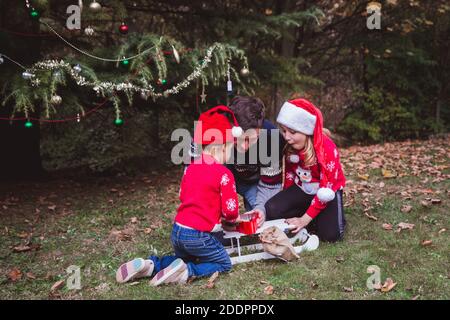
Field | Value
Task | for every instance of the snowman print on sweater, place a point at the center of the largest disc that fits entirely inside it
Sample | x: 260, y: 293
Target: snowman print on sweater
x: 303, y: 180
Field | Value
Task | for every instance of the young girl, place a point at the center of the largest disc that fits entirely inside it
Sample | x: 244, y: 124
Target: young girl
x: 313, y: 178
x: 207, y: 194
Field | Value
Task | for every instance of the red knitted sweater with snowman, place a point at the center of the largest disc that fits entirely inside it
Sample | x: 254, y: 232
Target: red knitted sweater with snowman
x: 308, y: 178
x: 207, y: 193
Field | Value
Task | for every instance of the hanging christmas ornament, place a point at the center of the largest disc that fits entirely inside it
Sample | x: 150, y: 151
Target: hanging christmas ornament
x: 161, y: 82
x: 203, y: 95
x: 27, y: 75
x: 125, y: 62
x: 28, y: 124
x: 244, y: 72
x: 229, y: 83
x: 1, y: 59
x: 89, y: 31
x: 95, y: 6
x: 34, y: 14
x: 118, y: 122
x: 77, y: 68
x: 123, y: 29
x: 176, y: 55
x: 56, y: 100
x: 78, y: 117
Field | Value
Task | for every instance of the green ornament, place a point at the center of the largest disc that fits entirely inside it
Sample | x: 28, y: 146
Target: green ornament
x: 118, y: 122
x: 28, y: 124
x: 34, y: 14
x: 125, y: 63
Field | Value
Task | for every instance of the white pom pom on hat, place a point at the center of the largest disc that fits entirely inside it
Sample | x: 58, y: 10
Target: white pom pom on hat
x: 325, y: 194
x: 237, y: 131
x: 294, y: 158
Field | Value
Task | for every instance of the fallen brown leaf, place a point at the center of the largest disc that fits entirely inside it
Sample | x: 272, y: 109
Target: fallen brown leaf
x: 134, y: 220
x: 442, y: 231
x: 363, y: 176
x: 404, y: 225
x: 268, y: 290
x: 388, y: 285
x: 347, y: 289
x: 57, y: 285
x: 387, y: 226
x: 25, y: 248
x: 15, y: 275
x: 387, y: 173
x: 371, y: 217
x: 30, y: 275
x: 53, y: 207
x: 435, y: 201
x: 425, y: 243
x: 406, y: 208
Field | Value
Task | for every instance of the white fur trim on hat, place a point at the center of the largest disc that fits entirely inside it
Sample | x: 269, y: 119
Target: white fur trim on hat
x: 325, y: 194
x: 237, y: 132
x: 296, y: 118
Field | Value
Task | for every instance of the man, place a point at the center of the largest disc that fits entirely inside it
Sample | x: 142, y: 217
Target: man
x: 256, y: 166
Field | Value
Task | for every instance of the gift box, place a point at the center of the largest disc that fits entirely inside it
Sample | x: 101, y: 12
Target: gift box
x: 247, y: 227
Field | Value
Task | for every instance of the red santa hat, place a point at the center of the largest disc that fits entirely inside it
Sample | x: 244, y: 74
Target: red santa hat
x: 214, y: 127
x: 302, y: 116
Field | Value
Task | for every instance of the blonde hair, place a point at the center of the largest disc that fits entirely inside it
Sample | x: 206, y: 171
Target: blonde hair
x: 308, y: 151
x: 214, y: 149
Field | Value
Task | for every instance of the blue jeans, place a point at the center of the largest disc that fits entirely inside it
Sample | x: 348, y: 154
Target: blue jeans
x: 248, y: 191
x: 202, y: 252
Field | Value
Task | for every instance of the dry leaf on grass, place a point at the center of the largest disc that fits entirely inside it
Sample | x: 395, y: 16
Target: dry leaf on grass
x: 406, y: 208
x: 371, y: 217
x: 15, y: 275
x: 30, y: 275
x: 388, y: 285
x: 403, y: 225
x: 364, y: 177
x: 268, y: 290
x: 442, y: 231
x: 387, y: 173
x: 212, y: 280
x: 387, y: 226
x: 25, y: 248
x: 57, y: 285
x: 134, y: 220
x: 347, y: 289
x: 435, y: 201
x: 426, y: 243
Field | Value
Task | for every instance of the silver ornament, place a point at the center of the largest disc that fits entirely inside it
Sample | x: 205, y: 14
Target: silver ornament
x: 244, y: 72
x: 56, y: 100
x: 27, y: 75
x: 77, y: 68
x: 176, y: 55
x: 95, y: 6
x: 144, y: 95
x: 89, y: 31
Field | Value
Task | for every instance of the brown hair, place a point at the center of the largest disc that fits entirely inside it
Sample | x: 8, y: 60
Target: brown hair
x: 249, y: 112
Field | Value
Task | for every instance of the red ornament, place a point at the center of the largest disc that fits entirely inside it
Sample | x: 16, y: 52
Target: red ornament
x: 123, y: 29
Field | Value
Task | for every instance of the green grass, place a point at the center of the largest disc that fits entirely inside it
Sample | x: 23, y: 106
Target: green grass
x: 80, y: 234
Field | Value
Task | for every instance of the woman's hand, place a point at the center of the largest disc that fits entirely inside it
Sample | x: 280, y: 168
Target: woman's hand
x: 299, y: 223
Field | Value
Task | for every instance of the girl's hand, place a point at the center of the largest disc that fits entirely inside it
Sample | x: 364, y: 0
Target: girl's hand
x: 260, y: 217
x: 299, y: 223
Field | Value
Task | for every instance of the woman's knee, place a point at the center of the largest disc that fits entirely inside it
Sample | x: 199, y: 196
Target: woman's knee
x: 330, y: 236
x: 271, y: 210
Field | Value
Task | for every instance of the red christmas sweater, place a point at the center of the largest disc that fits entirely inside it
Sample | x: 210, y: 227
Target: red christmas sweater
x: 307, y: 178
x: 207, y: 193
